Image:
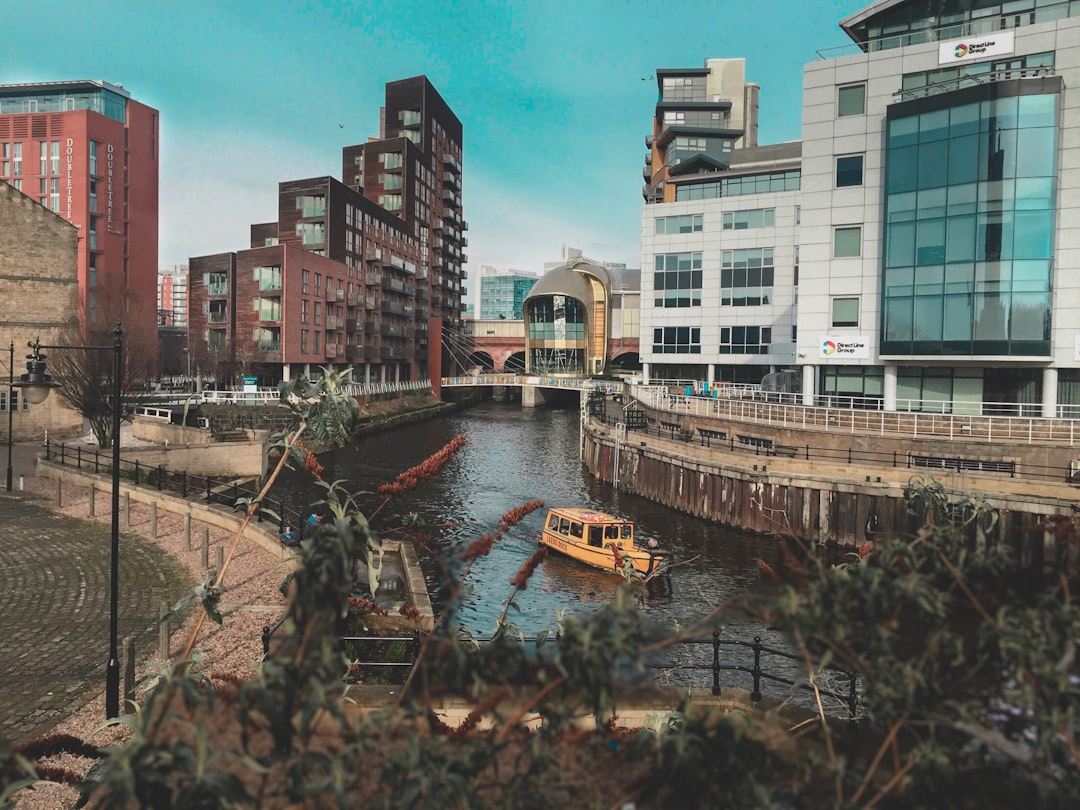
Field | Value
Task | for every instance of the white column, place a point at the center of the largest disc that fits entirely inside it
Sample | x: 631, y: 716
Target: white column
x: 809, y: 381
x: 307, y: 370
x: 889, y: 390
x: 710, y: 373
x: 382, y: 373
x: 286, y: 372
x: 1049, y: 393
x: 644, y: 373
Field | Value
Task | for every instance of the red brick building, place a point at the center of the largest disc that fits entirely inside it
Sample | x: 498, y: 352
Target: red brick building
x: 89, y: 152
x: 353, y: 272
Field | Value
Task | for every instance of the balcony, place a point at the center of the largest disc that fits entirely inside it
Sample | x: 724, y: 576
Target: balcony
x: 373, y: 255
x: 269, y: 345
x: 449, y: 196
x: 464, y: 241
x: 372, y: 279
x: 648, y: 141
x: 335, y: 295
x: 449, y: 179
x: 392, y: 308
x: 464, y: 225
x: 451, y: 163
x: 397, y: 285
x: 334, y: 350
x: 334, y: 323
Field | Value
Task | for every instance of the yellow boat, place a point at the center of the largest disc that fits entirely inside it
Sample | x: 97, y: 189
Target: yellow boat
x: 600, y: 540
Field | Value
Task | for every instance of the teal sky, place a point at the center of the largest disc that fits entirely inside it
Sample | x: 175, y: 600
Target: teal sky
x: 550, y: 94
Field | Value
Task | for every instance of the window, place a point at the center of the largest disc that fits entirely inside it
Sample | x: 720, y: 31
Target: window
x: 677, y: 280
x: 391, y: 202
x: 303, y: 310
x: 269, y: 278
x: 311, y: 205
x: 217, y: 283
x: 305, y: 281
x: 303, y: 341
x: 268, y: 339
x: 269, y: 309
x: 745, y: 339
x: 5, y: 159
x: 845, y: 312
x: 390, y: 181
x: 751, y: 218
x: 16, y: 161
x: 847, y: 242
x: 318, y: 312
x: 44, y: 158
x: 851, y: 100
x: 315, y: 342
x: 54, y: 158
x: 391, y: 160
x: 216, y: 311
x: 738, y: 186
x: 849, y: 171
x: 689, y: 223
x: 318, y: 283
x: 746, y: 277
x: 93, y: 157
x: 311, y: 233
x: 14, y: 401
x: 93, y: 195
x: 677, y: 340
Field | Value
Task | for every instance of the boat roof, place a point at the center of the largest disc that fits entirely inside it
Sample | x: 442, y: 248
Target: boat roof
x: 588, y: 515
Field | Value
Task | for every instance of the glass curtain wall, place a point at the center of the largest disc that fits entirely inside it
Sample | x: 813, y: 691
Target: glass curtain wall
x: 969, y: 237
x: 556, y: 335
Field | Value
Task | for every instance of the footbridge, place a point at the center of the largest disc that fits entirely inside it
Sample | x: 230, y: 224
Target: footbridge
x: 532, y: 385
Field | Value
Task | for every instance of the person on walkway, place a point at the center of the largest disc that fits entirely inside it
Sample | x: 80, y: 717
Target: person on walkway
x: 313, y: 522
x: 288, y: 537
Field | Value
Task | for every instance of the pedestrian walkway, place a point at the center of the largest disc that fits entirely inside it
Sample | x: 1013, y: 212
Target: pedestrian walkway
x: 54, y: 599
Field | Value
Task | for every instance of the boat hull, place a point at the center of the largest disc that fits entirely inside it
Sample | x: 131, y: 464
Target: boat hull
x: 605, y: 558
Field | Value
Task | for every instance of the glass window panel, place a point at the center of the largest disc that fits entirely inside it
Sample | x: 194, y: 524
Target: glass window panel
x: 991, y: 316
x: 902, y: 206
x: 903, y: 132
x: 1036, y: 111
x: 1002, y: 113
x: 1034, y: 193
x: 901, y: 174
x: 933, y: 164
x: 956, y: 318
x: 851, y: 100
x: 900, y: 282
x: 1030, y: 316
x: 964, y: 120
x: 845, y: 312
x: 847, y: 242
x: 961, y: 241
x: 849, y: 171
x: 930, y: 242
x: 963, y: 199
x: 1033, y: 235
x: 1030, y: 276
x: 964, y: 159
x: 1035, y: 152
x: 928, y: 310
x: 933, y: 126
x: 901, y: 245
x: 932, y: 203
x: 929, y: 280
x: 898, y: 318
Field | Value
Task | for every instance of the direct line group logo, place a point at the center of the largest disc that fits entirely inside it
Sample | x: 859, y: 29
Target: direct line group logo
x: 961, y: 50
x: 828, y: 347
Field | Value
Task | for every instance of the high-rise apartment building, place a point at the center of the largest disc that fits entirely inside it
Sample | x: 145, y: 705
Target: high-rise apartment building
x: 89, y: 152
x: 172, y: 295
x: 915, y: 251
x: 356, y: 271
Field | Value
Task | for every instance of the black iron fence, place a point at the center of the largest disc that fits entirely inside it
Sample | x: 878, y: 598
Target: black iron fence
x: 206, y: 488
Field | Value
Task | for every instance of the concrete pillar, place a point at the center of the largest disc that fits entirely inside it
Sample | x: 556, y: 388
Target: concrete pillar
x: 644, y: 373
x: 307, y: 370
x: 397, y: 372
x: 809, y: 384
x: 1049, y: 393
x: 382, y: 373
x: 367, y: 372
x: 889, y: 391
x: 286, y: 372
x: 532, y: 396
x: 710, y: 373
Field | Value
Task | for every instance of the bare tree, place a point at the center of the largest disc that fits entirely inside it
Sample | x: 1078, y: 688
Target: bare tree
x: 86, y: 375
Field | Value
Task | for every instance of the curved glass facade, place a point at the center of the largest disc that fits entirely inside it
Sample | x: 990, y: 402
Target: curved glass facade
x: 969, y: 223
x: 557, y: 336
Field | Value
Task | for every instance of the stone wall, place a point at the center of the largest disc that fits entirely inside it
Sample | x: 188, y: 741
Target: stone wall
x: 39, y: 283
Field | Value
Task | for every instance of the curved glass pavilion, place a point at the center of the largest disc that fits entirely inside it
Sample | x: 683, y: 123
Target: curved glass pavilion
x: 566, y: 317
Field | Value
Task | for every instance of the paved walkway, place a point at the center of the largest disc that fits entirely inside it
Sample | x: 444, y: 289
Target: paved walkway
x: 54, y: 604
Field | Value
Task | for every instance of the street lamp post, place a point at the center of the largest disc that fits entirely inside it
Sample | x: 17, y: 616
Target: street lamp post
x: 36, y: 385
x: 10, y: 408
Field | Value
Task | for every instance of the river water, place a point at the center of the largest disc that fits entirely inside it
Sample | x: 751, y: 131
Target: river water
x: 513, y: 455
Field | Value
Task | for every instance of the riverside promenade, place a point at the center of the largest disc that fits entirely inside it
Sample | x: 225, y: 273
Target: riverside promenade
x: 54, y: 599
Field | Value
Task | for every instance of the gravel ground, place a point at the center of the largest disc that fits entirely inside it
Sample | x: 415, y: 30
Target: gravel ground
x: 234, y: 648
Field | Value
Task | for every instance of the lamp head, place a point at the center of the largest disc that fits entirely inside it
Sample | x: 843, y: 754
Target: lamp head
x: 36, y: 383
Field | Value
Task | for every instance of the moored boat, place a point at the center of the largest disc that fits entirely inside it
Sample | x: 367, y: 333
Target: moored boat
x: 600, y: 540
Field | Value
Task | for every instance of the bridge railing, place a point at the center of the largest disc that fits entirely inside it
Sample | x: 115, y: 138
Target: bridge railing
x: 767, y: 409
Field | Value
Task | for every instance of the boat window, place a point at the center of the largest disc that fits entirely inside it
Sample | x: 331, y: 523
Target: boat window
x: 627, y: 531
x: 611, y: 531
x: 596, y: 536
x: 553, y: 522
x: 575, y: 529
x: 564, y: 526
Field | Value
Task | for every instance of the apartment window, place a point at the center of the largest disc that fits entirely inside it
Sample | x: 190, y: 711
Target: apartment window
x: 93, y: 157
x: 269, y: 309
x: 745, y: 339
x: 677, y: 340
x: 689, y: 223
x: 391, y: 160
x: 217, y: 283
x: 318, y: 283
x: 93, y: 233
x: 216, y: 311
x: 391, y: 202
x: 303, y: 310
x: 315, y: 342
x: 851, y: 100
x: 14, y: 401
x: 54, y: 193
x: 215, y: 339
x: 267, y: 339
x: 318, y: 312
x: 677, y: 280
x: 305, y: 280
x: 268, y: 278
x: 751, y: 218
x: 54, y: 157
x: 746, y: 277
x: 845, y: 312
x: 311, y: 205
x: 311, y: 233
x: 44, y: 158
x: 5, y: 159
x: 847, y: 242
x: 390, y: 181
x: 16, y: 161
x: 303, y: 341
x: 93, y: 195
x: 849, y: 171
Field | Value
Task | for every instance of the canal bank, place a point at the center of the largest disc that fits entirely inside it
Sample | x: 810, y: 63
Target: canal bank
x: 845, y: 504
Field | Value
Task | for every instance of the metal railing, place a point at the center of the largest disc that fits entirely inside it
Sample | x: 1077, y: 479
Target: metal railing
x: 767, y: 409
x: 579, y: 383
x: 206, y: 488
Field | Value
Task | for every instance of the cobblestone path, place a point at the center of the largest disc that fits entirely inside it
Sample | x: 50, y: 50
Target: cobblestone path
x: 54, y: 610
